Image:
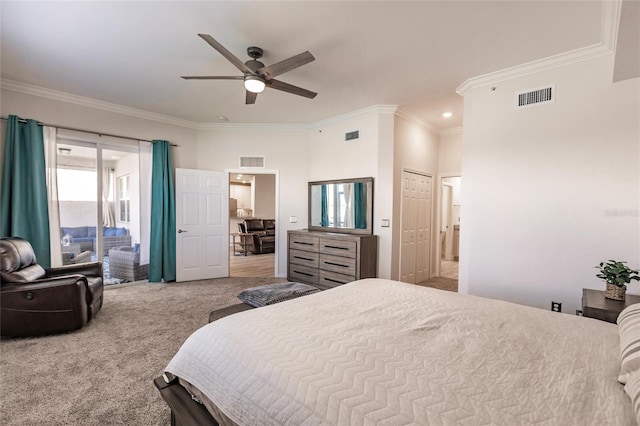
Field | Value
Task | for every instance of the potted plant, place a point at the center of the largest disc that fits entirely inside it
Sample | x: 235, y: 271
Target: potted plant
x: 616, y: 275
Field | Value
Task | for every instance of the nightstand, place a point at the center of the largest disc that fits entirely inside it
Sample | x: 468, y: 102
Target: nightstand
x: 595, y: 305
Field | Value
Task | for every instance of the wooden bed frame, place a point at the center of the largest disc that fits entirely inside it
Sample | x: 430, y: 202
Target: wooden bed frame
x: 185, y: 411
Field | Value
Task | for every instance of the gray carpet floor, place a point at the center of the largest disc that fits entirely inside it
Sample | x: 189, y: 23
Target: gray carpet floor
x: 103, y: 374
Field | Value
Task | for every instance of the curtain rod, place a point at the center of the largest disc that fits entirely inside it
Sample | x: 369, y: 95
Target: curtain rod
x: 22, y: 120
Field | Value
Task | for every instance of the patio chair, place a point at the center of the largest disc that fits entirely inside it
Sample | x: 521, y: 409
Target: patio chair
x: 124, y: 264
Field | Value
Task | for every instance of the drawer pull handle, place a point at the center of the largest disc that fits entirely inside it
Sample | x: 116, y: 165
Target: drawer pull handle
x: 335, y: 281
x: 303, y: 243
x: 336, y: 264
x: 337, y: 248
x: 303, y: 273
x: 303, y: 258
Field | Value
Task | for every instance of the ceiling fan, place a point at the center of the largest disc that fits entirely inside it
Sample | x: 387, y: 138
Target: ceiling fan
x: 256, y: 75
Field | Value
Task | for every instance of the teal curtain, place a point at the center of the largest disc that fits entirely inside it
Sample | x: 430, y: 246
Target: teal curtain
x: 162, y: 255
x: 324, y: 213
x: 360, y: 205
x: 24, y: 209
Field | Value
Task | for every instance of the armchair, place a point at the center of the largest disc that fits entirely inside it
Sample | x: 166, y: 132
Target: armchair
x: 35, y: 301
x: 124, y: 263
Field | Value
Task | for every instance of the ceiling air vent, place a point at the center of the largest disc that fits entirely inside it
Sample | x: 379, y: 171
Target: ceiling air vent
x: 536, y: 96
x: 251, y: 161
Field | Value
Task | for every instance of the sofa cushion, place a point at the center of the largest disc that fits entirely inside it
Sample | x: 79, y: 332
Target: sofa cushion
x: 121, y: 232
x: 91, y: 231
x: 253, y: 225
x: 269, y: 224
x: 109, y: 232
x: 15, y: 253
x: 76, y: 232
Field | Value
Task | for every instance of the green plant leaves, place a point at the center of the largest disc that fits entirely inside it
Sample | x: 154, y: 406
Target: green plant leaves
x: 617, y: 273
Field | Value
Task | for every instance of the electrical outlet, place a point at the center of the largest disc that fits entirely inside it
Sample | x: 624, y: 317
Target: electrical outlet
x: 579, y: 313
x: 556, y: 306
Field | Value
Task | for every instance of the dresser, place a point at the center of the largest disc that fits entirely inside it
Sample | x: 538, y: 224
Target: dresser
x: 326, y: 259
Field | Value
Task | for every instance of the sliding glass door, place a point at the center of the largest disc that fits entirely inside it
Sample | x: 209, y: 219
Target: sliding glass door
x: 99, y: 202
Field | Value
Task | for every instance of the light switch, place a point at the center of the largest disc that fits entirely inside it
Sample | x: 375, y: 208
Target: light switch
x: 386, y: 223
x: 293, y: 219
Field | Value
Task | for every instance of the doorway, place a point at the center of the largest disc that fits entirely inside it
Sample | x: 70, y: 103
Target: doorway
x: 415, y: 248
x: 449, y: 245
x: 252, y: 224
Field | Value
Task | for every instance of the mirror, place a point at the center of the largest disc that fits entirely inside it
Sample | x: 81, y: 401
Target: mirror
x: 344, y: 205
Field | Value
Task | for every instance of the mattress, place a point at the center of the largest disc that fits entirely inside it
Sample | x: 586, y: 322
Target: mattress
x: 382, y: 352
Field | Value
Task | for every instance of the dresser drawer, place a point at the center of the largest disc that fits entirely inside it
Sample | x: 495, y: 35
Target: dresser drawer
x: 304, y: 242
x: 339, y: 264
x: 305, y: 258
x: 333, y: 279
x: 338, y: 247
x: 303, y: 274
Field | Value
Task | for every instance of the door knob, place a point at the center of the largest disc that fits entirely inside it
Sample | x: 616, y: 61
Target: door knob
x: 180, y: 231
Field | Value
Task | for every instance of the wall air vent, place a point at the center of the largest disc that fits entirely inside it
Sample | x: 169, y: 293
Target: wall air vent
x: 352, y: 135
x: 252, y: 162
x: 536, y: 96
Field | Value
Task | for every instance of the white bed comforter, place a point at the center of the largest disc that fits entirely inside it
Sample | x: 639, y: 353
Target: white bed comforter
x: 386, y: 353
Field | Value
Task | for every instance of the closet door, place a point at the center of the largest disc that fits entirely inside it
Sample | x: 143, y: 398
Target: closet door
x: 423, y: 237
x: 415, y: 247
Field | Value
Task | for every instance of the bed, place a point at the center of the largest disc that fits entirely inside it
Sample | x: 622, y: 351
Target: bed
x: 382, y: 352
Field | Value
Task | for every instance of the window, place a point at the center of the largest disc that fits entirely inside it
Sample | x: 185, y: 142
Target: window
x: 124, y: 201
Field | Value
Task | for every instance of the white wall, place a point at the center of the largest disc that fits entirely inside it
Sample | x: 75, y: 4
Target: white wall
x: 450, y: 152
x: 371, y: 155
x: 549, y: 191
x: 265, y: 196
x: 77, y: 213
x: 415, y: 149
x: 285, y: 150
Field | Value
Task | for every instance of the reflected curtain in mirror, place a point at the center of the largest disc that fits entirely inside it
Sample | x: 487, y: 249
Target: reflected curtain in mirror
x: 341, y: 205
x: 360, y: 202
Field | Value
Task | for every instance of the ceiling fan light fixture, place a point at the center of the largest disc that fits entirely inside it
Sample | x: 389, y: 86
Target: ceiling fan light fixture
x: 254, y: 84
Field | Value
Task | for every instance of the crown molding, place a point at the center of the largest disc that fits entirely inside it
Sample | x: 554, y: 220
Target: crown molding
x: 375, y: 109
x: 555, y: 61
x: 610, y: 23
x: 451, y: 131
x: 29, y: 89
x: 413, y: 119
x: 251, y: 126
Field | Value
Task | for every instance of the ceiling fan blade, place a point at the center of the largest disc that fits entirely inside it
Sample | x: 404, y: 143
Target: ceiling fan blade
x: 212, y: 77
x: 290, y: 88
x: 251, y: 98
x: 281, y: 67
x: 224, y: 52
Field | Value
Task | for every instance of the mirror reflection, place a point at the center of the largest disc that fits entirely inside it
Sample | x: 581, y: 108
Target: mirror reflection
x: 343, y: 206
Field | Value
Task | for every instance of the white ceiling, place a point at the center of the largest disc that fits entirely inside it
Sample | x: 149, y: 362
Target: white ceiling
x: 411, y: 54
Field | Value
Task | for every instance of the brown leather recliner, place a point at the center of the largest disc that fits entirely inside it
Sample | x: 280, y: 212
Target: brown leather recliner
x: 36, y: 302
x: 263, y: 234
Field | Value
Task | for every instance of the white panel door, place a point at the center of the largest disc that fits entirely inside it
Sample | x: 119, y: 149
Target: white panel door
x: 415, y: 248
x: 202, y: 224
x: 423, y: 238
x: 409, y: 225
